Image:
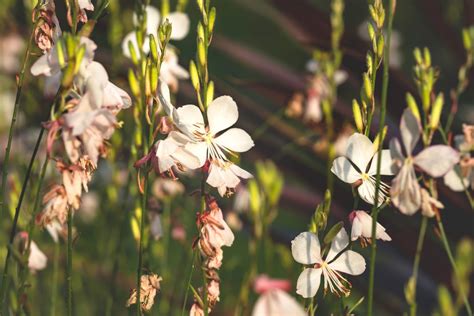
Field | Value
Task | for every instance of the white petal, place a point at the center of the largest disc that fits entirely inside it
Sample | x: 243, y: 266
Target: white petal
x: 437, y: 160
x: 410, y: 130
x: 236, y: 140
x: 357, y: 227
x: 308, y: 282
x: 190, y: 119
x: 338, y: 244
x: 397, y: 155
x: 360, y: 150
x: 222, y: 113
x: 385, y: 166
x: 187, y: 159
x: 454, y: 180
x: 199, y: 150
x: 152, y: 19
x: 349, y: 262
x: 340, y: 76
x: 240, y: 172
x: 41, y: 67
x: 37, y: 259
x: 367, y: 192
x: 305, y: 248
x: 85, y: 5
x: 180, y: 25
x: 405, y: 191
x: 344, y: 170
x: 277, y: 303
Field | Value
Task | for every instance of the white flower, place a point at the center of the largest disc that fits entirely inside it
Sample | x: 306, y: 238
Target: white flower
x: 435, y: 160
x: 362, y: 227
x: 171, y: 152
x: 461, y: 176
x: 307, y: 250
x: 277, y: 303
x: 226, y: 176
x: 37, y: 259
x: 360, y: 164
x: 171, y: 71
x: 179, y: 23
x: 429, y: 205
x: 54, y: 229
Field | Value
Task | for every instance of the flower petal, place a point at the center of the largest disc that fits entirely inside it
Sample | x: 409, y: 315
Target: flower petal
x: 308, y: 282
x: 360, y: 150
x: 338, y: 244
x: 277, y: 303
x: 180, y: 25
x: 410, y: 130
x: 344, y: 170
x: 199, y: 150
x: 454, y: 180
x: 405, y: 191
x: 190, y: 120
x: 305, y: 248
x: 236, y: 140
x: 222, y: 113
x: 349, y: 262
x: 385, y: 166
x: 429, y: 160
x: 367, y: 191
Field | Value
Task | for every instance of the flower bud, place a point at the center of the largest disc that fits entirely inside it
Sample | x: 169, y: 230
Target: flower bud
x: 79, y: 56
x: 153, y: 48
x: 371, y: 31
x: 436, y: 111
x: 413, y: 106
x: 357, y: 116
x: 133, y: 53
x: 194, y: 75
x: 210, y: 93
x: 466, y: 39
x: 380, y: 47
x: 201, y: 52
x: 60, y: 51
x: 212, y: 20
x: 133, y: 82
x: 367, y: 86
x: 200, y: 31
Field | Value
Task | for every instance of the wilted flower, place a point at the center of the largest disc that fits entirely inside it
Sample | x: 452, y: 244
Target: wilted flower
x: 55, y: 207
x: 359, y: 165
x: 429, y: 205
x: 274, y: 301
x: 405, y: 191
x: 362, y: 228
x: 149, y: 287
x: 47, y: 30
x: 83, y: 6
x: 75, y: 179
x: 307, y: 250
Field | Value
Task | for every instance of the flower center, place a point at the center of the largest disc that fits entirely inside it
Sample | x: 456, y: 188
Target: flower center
x: 365, y: 176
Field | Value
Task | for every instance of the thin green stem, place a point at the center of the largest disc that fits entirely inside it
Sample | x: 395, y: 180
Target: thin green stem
x: 16, y: 108
x: 3, y: 288
x: 375, y: 209
x: 445, y: 241
x: 416, y: 263
x: 54, y: 286
x: 188, y: 283
x: 69, y: 263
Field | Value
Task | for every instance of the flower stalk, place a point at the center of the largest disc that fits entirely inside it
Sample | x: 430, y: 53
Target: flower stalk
x: 383, y: 110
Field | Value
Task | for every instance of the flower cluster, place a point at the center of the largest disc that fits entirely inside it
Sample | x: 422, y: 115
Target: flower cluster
x: 214, y: 234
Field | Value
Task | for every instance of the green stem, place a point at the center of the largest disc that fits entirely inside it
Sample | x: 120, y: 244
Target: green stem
x: 444, y: 239
x: 69, y: 263
x: 416, y: 263
x: 140, y: 247
x: 375, y: 209
x: 188, y: 283
x: 54, y: 286
x: 16, y: 108
x: 3, y: 288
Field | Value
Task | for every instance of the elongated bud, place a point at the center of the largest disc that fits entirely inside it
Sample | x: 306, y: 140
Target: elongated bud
x: 200, y: 31
x: 210, y: 93
x: 436, y: 111
x: 212, y: 20
x: 380, y: 47
x: 333, y: 232
x: 417, y: 55
x: 79, y: 56
x: 370, y: 63
x: 70, y: 46
x: 153, y: 49
x: 200, y: 4
x: 61, y: 53
x: 466, y: 39
x: 373, y: 12
x: 133, y: 53
x: 370, y: 30
x: 427, y: 56
x: 153, y: 79
x: 201, y: 52
x: 357, y: 116
x: 380, y: 137
x: 413, y: 106
x: 133, y: 82
x: 425, y: 98
x: 194, y: 75
x: 367, y: 86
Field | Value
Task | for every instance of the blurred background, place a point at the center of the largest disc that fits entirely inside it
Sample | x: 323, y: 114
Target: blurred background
x: 258, y: 56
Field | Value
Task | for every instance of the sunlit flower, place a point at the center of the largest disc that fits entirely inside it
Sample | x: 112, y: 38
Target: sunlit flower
x: 274, y: 301
x: 362, y: 228
x: 359, y: 165
x: 405, y: 191
x: 226, y: 176
x: 149, y: 287
x: 83, y: 6
x: 171, y: 152
x: 307, y: 250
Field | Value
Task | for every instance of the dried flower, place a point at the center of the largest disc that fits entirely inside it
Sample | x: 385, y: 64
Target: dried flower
x: 149, y: 287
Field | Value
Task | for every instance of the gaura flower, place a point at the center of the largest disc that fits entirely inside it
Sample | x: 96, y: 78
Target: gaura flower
x: 83, y: 6
x: 429, y: 205
x: 362, y: 228
x: 55, y: 207
x: 307, y: 250
x: 274, y: 301
x: 37, y: 260
x: 226, y: 176
x: 215, y: 233
x: 149, y: 287
x: 359, y: 164
x: 461, y: 177
x: 435, y: 160
x: 171, y: 71
x: 171, y: 152
x: 179, y: 23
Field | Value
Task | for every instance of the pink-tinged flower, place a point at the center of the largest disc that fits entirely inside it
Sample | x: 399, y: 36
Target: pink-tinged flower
x: 178, y: 233
x: 171, y: 152
x: 149, y: 287
x: 215, y: 233
x: 55, y: 207
x: 179, y: 22
x: 196, y: 310
x: 461, y: 177
x: 83, y: 6
x: 264, y: 284
x: 307, y: 250
x: 405, y: 191
x: 359, y: 165
x: 362, y: 228
x: 37, y: 260
x: 429, y: 205
x: 75, y: 179
x: 225, y: 176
